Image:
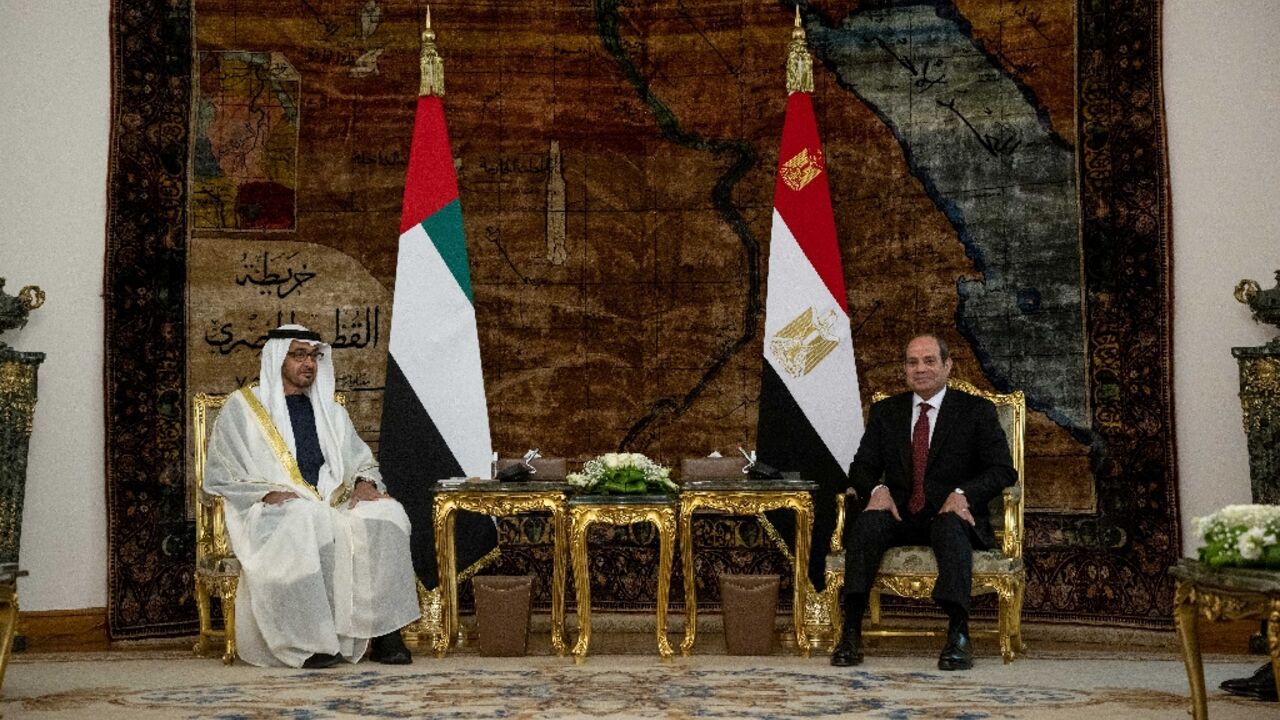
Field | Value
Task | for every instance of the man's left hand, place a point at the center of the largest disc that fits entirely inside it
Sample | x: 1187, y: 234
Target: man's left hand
x: 365, y: 490
x: 958, y: 504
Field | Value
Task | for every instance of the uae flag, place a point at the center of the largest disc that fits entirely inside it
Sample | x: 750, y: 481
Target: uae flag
x: 810, y: 413
x: 435, y: 421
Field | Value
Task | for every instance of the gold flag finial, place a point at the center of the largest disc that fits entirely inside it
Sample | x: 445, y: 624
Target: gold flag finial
x: 799, y: 64
x: 431, y: 64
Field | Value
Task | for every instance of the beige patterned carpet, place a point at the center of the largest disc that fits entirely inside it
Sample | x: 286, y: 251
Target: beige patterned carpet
x: 170, y: 683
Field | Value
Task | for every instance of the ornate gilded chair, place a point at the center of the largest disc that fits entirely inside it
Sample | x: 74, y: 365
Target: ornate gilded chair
x: 217, y: 569
x: 911, y: 571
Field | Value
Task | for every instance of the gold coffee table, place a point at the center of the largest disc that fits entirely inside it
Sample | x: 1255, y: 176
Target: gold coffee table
x: 499, y: 500
x: 747, y: 497
x: 584, y: 510
x: 1222, y: 593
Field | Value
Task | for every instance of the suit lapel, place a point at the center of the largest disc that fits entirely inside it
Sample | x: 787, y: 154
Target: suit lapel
x: 947, y: 419
x: 902, y: 432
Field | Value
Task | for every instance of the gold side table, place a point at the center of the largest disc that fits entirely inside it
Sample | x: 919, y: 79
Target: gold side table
x: 1222, y: 593
x: 9, y: 574
x: 499, y: 500
x: 747, y: 497
x: 584, y: 510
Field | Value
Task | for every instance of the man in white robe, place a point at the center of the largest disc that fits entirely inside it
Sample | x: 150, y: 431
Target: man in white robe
x: 323, y: 550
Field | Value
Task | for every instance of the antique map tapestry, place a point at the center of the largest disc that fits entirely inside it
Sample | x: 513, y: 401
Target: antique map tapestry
x: 998, y: 175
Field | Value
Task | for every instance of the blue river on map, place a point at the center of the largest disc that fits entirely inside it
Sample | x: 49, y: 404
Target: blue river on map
x: 988, y: 158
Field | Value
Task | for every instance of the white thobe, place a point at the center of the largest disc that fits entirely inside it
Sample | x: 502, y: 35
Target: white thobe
x: 315, y: 575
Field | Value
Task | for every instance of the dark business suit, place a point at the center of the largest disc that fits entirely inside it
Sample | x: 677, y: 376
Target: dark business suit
x: 968, y: 450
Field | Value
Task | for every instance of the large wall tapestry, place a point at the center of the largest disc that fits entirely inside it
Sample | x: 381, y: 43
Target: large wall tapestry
x: 997, y: 170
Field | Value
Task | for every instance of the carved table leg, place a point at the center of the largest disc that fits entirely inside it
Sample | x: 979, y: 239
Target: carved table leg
x: 690, y: 582
x: 582, y: 581
x: 8, y: 626
x: 559, y: 523
x: 1273, y: 642
x: 447, y: 570
x: 804, y: 529
x: 1184, y: 614
x: 665, y: 521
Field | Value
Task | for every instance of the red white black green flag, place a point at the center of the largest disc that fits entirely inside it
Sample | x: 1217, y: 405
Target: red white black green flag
x: 810, y: 412
x: 435, y: 419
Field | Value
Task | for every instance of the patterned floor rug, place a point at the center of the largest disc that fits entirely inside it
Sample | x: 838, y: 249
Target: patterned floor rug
x: 172, y: 684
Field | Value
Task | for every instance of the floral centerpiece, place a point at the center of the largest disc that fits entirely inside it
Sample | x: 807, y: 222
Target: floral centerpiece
x: 622, y: 474
x: 1244, y: 535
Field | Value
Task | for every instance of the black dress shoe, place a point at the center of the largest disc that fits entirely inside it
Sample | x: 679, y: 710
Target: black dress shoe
x: 389, y: 649
x: 1261, y: 684
x: 321, y: 660
x: 957, y: 654
x: 848, y: 652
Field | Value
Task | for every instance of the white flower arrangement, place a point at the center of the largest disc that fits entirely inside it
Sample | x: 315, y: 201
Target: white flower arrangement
x: 1246, y: 535
x: 622, y: 473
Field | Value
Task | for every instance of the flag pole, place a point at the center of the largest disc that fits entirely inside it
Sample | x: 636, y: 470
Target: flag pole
x: 810, y: 413
x: 435, y: 419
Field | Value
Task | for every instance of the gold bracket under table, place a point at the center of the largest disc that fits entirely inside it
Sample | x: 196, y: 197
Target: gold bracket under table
x: 738, y: 497
x: 1227, y: 594
x: 621, y: 510
x: 499, y: 500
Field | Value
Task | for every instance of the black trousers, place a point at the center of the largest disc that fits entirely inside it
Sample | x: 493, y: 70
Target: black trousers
x: 875, y: 531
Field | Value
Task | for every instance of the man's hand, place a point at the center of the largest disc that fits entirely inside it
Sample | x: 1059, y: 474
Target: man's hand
x: 279, y: 497
x: 958, y: 504
x: 365, y: 490
x: 881, y: 499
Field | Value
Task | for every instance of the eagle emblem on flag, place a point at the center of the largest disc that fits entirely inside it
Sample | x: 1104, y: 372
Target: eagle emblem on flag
x: 802, y: 343
x: 801, y: 170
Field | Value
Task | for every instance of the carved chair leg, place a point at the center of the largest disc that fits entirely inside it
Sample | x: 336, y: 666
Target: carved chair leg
x: 229, y: 588
x: 1004, y: 621
x: 1015, y: 634
x: 874, y: 602
x: 835, y: 611
x: 206, y: 624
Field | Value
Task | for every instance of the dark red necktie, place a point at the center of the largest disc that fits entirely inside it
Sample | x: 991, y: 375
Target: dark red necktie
x: 919, y: 457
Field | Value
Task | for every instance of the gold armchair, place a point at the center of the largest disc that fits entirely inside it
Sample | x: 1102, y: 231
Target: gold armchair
x: 217, y: 569
x: 911, y: 571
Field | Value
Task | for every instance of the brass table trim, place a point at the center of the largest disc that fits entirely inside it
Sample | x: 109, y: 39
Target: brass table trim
x: 663, y: 517
x: 747, y: 502
x: 1193, y: 598
x: 498, y: 503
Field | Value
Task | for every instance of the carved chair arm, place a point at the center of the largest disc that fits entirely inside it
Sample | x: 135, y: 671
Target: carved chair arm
x: 837, y: 536
x: 1012, y: 540
x: 1012, y: 545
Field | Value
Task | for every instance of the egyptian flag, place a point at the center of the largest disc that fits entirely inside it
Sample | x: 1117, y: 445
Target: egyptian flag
x: 435, y: 421
x: 810, y: 413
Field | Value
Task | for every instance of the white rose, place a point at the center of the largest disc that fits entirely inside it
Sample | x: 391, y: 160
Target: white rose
x: 1250, y: 544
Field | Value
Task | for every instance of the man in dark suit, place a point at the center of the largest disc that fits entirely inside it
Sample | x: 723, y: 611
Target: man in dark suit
x: 929, y: 463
